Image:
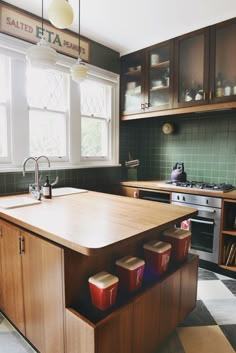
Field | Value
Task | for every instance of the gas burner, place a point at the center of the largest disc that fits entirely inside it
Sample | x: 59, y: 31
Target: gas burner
x: 222, y: 187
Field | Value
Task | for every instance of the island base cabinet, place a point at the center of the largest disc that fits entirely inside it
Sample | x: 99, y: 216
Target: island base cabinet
x: 113, y: 334
x: 146, y: 323
x: 188, y: 288
x: 43, y: 289
x: 143, y: 323
x: 11, y: 285
x: 33, y: 287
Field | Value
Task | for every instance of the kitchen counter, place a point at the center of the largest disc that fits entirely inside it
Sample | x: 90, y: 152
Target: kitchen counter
x: 93, y: 222
x: 159, y: 185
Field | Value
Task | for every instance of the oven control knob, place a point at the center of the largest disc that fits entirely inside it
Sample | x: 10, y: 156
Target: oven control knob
x: 177, y: 197
x: 206, y: 201
x: 183, y: 198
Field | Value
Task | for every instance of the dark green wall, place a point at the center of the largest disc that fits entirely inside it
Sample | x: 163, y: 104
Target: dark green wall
x: 97, y: 179
x: 206, y: 143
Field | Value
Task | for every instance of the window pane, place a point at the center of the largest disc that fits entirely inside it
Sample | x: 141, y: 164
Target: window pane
x: 94, y: 137
x: 47, y: 133
x: 3, y: 78
x: 3, y: 132
x: 46, y: 89
x: 95, y: 99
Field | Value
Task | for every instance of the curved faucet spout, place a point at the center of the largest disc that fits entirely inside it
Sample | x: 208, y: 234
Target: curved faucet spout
x: 36, y: 191
x: 38, y: 158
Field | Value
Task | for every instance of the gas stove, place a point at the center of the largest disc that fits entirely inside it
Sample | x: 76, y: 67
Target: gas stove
x: 222, y: 187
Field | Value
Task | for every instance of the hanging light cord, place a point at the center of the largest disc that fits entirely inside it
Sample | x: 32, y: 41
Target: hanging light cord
x: 42, y: 20
x: 79, y: 29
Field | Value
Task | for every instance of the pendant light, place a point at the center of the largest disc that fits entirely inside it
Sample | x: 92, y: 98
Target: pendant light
x: 60, y: 13
x: 79, y: 71
x: 41, y: 55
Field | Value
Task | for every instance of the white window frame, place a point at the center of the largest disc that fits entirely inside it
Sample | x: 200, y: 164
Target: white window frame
x: 6, y: 105
x: 19, y: 117
x: 109, y: 121
x: 58, y: 159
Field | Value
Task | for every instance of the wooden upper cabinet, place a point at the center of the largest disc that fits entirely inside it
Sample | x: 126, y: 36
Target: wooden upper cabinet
x: 222, y: 63
x: 146, y: 80
x: 182, y: 75
x: 191, y: 69
x: 159, y: 77
x: 132, y: 83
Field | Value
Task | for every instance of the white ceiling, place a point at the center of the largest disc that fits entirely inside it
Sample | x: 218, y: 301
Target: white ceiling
x: 129, y: 25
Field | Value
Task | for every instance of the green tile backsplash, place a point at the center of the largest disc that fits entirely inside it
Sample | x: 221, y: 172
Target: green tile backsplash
x: 97, y: 179
x: 206, y: 143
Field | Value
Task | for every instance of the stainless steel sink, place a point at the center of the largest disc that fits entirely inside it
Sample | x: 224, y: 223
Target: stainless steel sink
x: 14, y: 202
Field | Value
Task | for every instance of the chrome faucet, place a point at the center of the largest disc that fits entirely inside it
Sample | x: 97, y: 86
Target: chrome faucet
x: 35, y: 188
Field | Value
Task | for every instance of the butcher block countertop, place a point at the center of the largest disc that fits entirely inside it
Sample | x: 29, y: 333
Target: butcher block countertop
x: 160, y: 185
x: 92, y: 222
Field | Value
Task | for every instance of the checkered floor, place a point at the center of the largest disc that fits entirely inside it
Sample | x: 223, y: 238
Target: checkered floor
x: 210, y: 328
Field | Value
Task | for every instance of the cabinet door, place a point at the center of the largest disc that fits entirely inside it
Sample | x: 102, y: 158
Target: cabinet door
x: 159, y: 91
x: 170, y: 300
x: 188, y: 288
x: 191, y: 69
x: 12, y: 290
x: 128, y: 191
x: 223, y: 56
x: 115, y: 335
x: 43, y: 294
x: 147, y: 321
x: 1, y: 279
x: 132, y: 83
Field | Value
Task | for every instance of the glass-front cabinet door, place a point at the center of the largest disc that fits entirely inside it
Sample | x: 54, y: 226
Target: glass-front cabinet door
x: 191, y: 69
x: 132, y: 83
x: 159, y: 77
x: 223, y: 63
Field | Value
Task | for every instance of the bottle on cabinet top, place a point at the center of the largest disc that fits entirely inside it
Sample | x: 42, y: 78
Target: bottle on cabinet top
x: 47, y: 189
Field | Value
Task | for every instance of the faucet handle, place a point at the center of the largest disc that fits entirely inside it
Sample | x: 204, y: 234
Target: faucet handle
x: 55, y: 181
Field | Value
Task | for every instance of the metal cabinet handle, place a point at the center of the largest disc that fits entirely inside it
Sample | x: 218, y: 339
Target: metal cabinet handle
x: 146, y: 105
x: 211, y: 95
x: 204, y: 96
x: 21, y: 245
x: 142, y: 106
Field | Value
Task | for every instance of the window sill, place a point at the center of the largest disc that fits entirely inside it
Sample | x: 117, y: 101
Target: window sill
x: 56, y: 166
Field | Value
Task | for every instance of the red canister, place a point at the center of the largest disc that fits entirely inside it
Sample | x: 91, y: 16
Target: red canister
x: 180, y: 241
x: 103, y: 290
x: 130, y: 272
x: 157, y: 256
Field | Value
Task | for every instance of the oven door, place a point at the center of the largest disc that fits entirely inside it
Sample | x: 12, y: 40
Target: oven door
x: 205, y: 228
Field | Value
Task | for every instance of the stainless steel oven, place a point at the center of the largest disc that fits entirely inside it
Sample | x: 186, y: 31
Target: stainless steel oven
x: 205, y: 227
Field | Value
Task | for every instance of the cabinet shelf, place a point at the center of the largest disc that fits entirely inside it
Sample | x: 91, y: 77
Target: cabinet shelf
x: 229, y: 232
x: 90, y: 313
x: 131, y: 73
x: 231, y: 268
x: 162, y: 88
x: 163, y: 64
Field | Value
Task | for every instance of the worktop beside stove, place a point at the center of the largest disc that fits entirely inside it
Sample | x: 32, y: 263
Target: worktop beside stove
x: 160, y: 185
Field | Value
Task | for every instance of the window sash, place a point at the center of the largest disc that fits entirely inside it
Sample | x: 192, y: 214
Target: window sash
x: 65, y: 156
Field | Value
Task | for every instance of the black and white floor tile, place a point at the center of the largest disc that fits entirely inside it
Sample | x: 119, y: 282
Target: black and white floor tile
x: 210, y: 328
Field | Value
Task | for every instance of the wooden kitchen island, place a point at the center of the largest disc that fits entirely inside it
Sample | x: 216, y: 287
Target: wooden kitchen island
x: 48, y: 252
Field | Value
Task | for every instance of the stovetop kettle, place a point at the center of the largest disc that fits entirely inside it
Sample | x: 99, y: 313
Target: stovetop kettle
x: 178, y: 173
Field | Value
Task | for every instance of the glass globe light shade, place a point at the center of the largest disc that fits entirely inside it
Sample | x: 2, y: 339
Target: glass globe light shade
x: 60, y: 13
x: 79, y: 71
x: 41, y: 55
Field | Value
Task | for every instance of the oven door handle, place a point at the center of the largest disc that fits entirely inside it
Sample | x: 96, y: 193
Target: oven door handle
x: 208, y: 209
x: 201, y: 221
